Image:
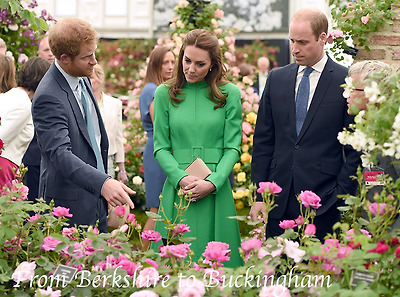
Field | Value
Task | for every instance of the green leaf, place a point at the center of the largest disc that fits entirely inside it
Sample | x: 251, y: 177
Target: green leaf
x: 153, y: 215
x: 187, y: 239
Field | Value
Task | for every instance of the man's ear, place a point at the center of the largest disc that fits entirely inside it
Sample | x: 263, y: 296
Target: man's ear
x: 323, y: 37
x: 65, y: 59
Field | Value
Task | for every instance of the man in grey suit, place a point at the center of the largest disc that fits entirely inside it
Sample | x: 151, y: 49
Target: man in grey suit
x: 295, y: 145
x: 70, y: 131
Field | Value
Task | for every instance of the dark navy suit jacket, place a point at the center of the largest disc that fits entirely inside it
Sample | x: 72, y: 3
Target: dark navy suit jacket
x: 68, y: 168
x: 314, y: 160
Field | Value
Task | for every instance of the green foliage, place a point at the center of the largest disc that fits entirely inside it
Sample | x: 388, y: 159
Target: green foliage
x: 21, y: 28
x: 358, y: 19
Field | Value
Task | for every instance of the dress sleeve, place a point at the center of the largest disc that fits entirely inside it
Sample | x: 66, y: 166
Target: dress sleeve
x: 232, y: 137
x: 162, y: 139
x: 16, y: 119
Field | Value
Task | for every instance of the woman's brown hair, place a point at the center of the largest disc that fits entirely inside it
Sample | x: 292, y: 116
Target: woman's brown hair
x: 215, y: 78
x: 7, y: 74
x: 156, y: 60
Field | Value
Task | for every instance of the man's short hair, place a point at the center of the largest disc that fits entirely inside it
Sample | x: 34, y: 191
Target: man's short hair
x: 67, y: 36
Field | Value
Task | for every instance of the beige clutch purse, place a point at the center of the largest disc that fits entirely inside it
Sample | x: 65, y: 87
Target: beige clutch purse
x: 198, y: 168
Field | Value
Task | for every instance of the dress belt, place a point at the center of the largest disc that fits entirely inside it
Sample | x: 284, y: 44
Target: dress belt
x: 208, y: 155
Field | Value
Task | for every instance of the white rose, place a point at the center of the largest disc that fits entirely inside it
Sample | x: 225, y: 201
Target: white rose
x: 137, y: 180
x: 24, y: 272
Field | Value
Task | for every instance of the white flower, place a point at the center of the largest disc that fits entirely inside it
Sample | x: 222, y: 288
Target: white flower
x: 348, y: 87
x: 372, y: 92
x: 137, y: 180
x: 13, y: 27
x: 22, y: 58
x: 292, y: 250
x: 24, y: 272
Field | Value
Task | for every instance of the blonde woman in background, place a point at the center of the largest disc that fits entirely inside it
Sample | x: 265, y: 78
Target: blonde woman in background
x: 159, y: 69
x: 111, y: 112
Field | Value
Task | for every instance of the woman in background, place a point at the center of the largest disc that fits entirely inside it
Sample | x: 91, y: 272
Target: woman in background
x: 159, y: 69
x: 111, y: 112
x: 199, y: 115
x: 16, y: 129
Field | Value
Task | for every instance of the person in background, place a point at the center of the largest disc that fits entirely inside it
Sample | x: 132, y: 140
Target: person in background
x: 160, y: 68
x: 7, y: 74
x: 111, y: 111
x: 262, y: 74
x: 16, y: 129
x: 3, y: 47
x: 199, y: 115
x: 44, y: 50
x: 361, y: 74
x: 32, y: 157
x: 301, y: 112
x: 70, y: 131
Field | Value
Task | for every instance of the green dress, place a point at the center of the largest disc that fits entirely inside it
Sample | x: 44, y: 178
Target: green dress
x: 191, y: 129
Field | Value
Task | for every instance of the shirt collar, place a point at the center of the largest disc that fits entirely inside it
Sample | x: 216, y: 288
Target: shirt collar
x: 319, y: 66
x: 71, y: 80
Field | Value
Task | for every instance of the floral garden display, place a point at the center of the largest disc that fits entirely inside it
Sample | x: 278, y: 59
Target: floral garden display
x: 41, y: 256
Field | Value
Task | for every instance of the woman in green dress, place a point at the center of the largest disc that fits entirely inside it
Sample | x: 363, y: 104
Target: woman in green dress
x: 199, y: 115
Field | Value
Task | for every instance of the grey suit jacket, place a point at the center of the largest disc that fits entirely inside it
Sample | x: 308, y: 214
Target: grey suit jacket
x: 68, y: 168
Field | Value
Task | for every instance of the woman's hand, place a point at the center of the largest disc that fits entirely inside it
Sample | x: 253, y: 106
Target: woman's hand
x: 200, y: 188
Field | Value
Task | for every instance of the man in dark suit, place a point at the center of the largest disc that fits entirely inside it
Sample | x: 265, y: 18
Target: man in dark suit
x: 70, y: 131
x: 301, y: 152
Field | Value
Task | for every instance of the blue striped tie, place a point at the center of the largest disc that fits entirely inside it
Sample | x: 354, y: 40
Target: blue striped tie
x: 89, y: 123
x: 303, y: 94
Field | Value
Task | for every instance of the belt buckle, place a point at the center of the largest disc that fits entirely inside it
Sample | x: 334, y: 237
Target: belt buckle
x: 197, y: 152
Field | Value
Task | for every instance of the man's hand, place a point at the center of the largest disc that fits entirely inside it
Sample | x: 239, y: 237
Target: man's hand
x: 256, y: 209
x: 116, y: 193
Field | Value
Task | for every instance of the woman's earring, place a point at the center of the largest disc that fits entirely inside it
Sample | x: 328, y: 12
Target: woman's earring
x: 210, y: 69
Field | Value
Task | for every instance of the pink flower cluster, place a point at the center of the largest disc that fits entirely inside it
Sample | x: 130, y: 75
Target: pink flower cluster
x: 180, y: 229
x: 151, y: 235
x: 15, y: 187
x: 189, y: 287
x: 217, y: 251
x: 332, y: 249
x: 60, y: 211
x: 272, y: 188
x: 50, y: 243
x: 179, y: 251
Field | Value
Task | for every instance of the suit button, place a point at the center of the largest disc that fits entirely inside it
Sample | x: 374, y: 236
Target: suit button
x: 296, y: 146
x: 291, y: 168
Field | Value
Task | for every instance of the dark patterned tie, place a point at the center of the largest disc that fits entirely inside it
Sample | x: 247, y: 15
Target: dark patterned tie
x: 303, y: 94
x: 89, y: 123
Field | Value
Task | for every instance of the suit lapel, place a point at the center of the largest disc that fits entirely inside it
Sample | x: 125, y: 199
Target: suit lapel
x: 73, y: 102
x: 319, y: 94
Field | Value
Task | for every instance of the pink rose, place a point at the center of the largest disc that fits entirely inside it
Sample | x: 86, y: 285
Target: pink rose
x: 219, y: 14
x: 309, y: 198
x: 247, y: 128
x: 273, y: 188
x: 333, y: 35
x: 365, y: 19
x: 151, y: 235
x: 178, y: 251
x: 299, y: 221
x: 69, y: 232
x: 50, y: 243
x: 151, y: 262
x: 49, y: 292
x: 147, y: 277
x: 120, y: 211
x: 250, y: 245
x: 60, y: 211
x: 377, y: 208
x: 131, y: 218
x: 191, y: 288
x: 287, y: 224
x: 310, y: 229
x: 24, y: 272
x: 181, y: 228
x: 350, y: 233
x: 275, y: 291
x: 34, y: 218
x: 217, y: 251
x: 127, y: 265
